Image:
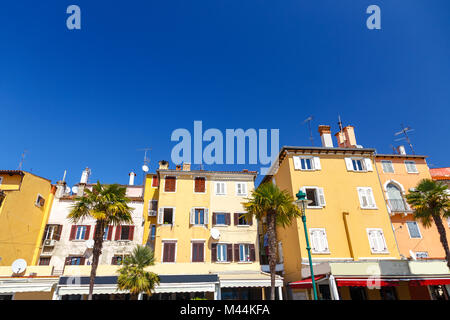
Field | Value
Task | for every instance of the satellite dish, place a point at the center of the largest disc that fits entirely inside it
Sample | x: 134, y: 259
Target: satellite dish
x: 74, y: 189
x: 67, y: 190
x: 145, y: 168
x: 413, y: 255
x: 90, y: 244
x: 19, y: 266
x: 215, y: 233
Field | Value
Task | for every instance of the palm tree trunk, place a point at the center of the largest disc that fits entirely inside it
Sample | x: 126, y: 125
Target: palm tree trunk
x: 97, y: 251
x: 271, y: 234
x: 443, y: 237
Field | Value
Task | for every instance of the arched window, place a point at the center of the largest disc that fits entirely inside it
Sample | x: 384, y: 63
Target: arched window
x: 395, y: 198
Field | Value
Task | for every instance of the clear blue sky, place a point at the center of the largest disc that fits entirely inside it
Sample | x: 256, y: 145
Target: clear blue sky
x: 137, y: 70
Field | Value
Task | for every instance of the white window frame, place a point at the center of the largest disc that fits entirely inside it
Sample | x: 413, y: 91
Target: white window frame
x: 193, y: 187
x: 241, y: 194
x: 165, y: 181
x: 105, y: 234
x: 149, y: 208
x: 226, y: 252
x: 192, y: 250
x: 383, y: 162
x: 242, y: 225
x: 385, y: 251
x: 248, y: 246
x: 366, y: 164
x: 314, y: 244
x: 205, y: 217
x: 76, y: 233
x: 161, y: 209
x: 411, y: 162
x: 49, y: 235
x: 318, y: 193
x: 216, y: 183
x: 374, y: 207
x: 36, y: 202
x: 315, y: 163
x: 163, y: 242
x: 418, y: 229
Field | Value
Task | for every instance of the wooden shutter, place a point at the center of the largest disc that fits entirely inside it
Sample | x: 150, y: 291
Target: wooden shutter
x: 214, y: 218
x: 236, y: 218
x: 227, y: 218
x: 368, y: 164
x: 250, y: 220
x: 114, y: 260
x: 165, y: 251
x: 73, y: 232
x: 110, y: 230
x: 317, y: 163
x: 170, y: 184
x: 82, y: 261
x: 95, y: 230
x: 321, y: 197
x: 172, y: 252
x: 67, y: 261
x: 118, y: 232
x: 213, y: 252
x: 200, y: 184
x: 57, y: 236
x: 160, y: 215
x: 86, y: 235
x: 131, y: 233
x: 252, y: 253
x: 349, y: 164
x: 45, y: 230
x: 229, y: 252
x: 154, y: 181
x: 201, y: 255
x: 236, y: 252
x: 297, y: 163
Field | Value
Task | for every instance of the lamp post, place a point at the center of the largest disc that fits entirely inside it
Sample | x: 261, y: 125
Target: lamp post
x: 302, y: 202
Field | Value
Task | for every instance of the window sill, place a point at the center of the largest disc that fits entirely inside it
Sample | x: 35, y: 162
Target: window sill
x: 245, y: 262
x: 78, y: 240
x: 243, y: 225
x: 166, y: 225
x: 315, y: 207
x: 223, y: 262
x: 321, y: 253
x: 220, y: 225
x: 241, y: 195
x: 362, y: 208
x: 387, y: 252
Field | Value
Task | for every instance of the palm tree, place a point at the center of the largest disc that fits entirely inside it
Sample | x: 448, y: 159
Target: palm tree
x: 278, y: 207
x: 431, y: 202
x: 108, y: 205
x: 133, y: 277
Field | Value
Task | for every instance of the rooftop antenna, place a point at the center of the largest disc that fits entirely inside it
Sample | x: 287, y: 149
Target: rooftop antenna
x: 22, y: 159
x: 341, y: 130
x: 405, y: 131
x: 145, y: 166
x: 309, y: 119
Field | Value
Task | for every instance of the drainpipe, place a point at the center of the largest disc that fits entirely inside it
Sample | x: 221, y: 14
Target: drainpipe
x: 347, y: 232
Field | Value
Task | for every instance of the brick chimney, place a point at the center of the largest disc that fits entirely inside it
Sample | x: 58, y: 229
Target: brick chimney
x: 186, y: 166
x: 163, y: 165
x: 346, y: 138
x: 178, y: 167
x: 325, y: 136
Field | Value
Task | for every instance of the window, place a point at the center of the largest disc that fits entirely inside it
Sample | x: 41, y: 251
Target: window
x: 52, y: 232
x: 117, y: 260
x: 155, y: 182
x: 44, y: 261
x: 388, y: 293
x: 153, y: 232
x: 319, y: 242
x: 395, y: 199
x: 197, y: 251
x: 241, y: 220
x: 1, y: 180
x: 75, y: 261
x: 124, y: 233
x: 79, y: 232
x: 220, y: 188
x: 107, y: 233
x: 316, y: 195
x: 222, y: 252
x: 387, y: 166
x: 221, y: 218
x: 246, y: 252
x: 166, y: 216
x: 306, y: 163
x: 358, y: 164
x: 421, y: 254
x: 152, y: 207
x: 411, y: 167
x: 199, y: 185
x: 241, y: 189
x: 170, y: 184
x: 40, y: 201
x: 376, y: 241
x: 366, y: 198
x: 199, y: 216
x: 169, y: 251
x: 413, y: 229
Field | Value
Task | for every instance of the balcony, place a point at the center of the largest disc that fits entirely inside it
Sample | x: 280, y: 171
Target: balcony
x: 398, y: 205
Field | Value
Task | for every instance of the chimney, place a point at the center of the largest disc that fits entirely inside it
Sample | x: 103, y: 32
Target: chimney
x: 163, y: 165
x: 178, y: 167
x: 346, y: 138
x: 85, y: 175
x: 245, y: 170
x: 60, y: 189
x: 132, y: 175
x: 186, y: 166
x: 401, y: 150
x: 325, y: 136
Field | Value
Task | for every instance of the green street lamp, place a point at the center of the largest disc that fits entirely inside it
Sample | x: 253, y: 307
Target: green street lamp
x: 302, y: 202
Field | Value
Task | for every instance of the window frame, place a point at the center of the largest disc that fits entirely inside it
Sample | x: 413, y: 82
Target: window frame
x: 84, y: 234
x: 241, y: 194
x: 164, y: 242
x: 316, y: 196
x: 201, y: 177
x: 198, y: 241
x: 249, y: 254
x: 311, y: 231
x: 225, y: 219
x: 409, y: 231
x: 37, y: 202
x: 409, y: 162
x: 375, y: 207
x: 165, y: 182
x: 386, y: 251
x: 224, y: 188
x: 246, y: 220
x: 222, y: 244
x: 157, y: 181
x: 149, y: 210
x: 173, y: 216
x: 383, y: 162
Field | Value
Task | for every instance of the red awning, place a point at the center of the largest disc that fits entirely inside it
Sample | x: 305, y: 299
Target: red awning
x: 429, y: 282
x: 305, y: 283
x: 367, y: 282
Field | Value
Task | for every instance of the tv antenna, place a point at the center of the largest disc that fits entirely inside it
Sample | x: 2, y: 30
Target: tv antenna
x: 341, y: 130
x: 145, y: 166
x: 22, y: 159
x: 309, y: 119
x: 405, y: 131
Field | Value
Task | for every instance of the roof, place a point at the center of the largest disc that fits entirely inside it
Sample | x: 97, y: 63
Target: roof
x: 440, y: 173
x: 21, y: 173
x: 406, y: 156
x: 208, y: 172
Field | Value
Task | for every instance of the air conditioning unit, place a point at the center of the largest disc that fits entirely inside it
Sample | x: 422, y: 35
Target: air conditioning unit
x: 152, y: 213
x: 49, y: 243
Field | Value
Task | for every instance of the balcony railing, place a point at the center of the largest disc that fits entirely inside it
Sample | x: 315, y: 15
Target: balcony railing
x: 398, y: 205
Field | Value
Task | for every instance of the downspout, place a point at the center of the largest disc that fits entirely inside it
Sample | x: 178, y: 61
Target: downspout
x: 47, y: 208
x: 385, y: 202
x: 347, y: 232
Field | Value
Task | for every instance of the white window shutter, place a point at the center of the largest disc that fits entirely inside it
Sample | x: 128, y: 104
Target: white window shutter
x: 368, y: 163
x: 160, y: 215
x: 314, y: 242
x: 370, y: 198
x: 192, y: 216
x: 297, y: 163
x: 244, y: 188
x: 361, y: 195
x: 381, y: 242
x: 324, y: 242
x: 224, y: 188
x: 149, y: 206
x: 217, y: 187
x: 349, y: 164
x: 321, y: 197
x: 206, y: 216
x: 372, y: 240
x: 317, y: 163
